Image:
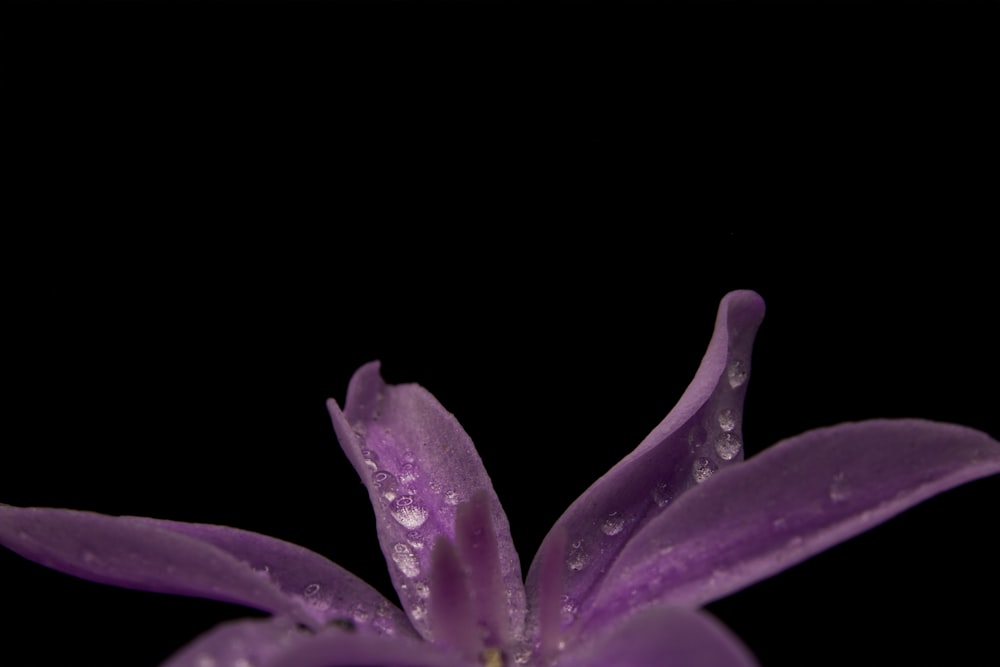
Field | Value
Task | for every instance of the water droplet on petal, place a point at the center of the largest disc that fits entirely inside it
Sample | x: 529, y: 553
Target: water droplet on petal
x: 661, y: 495
x: 577, y: 558
x: 408, y: 513
x: 386, y: 483
x: 728, y: 446
x: 451, y: 497
x: 522, y: 656
x: 415, y: 539
x: 423, y: 590
x: 405, y: 560
x: 408, y: 473
x: 360, y: 613
x: 383, y: 626
x: 840, y: 489
x: 737, y: 373
x: 703, y: 469
x: 727, y: 420
x: 418, y: 612
x: 311, y: 590
x: 569, y: 608
x: 370, y: 459
x: 613, y: 524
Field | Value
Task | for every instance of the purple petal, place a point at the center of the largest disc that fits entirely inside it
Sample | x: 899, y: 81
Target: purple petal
x: 277, y: 642
x: 418, y: 465
x: 345, y: 649
x: 479, y: 552
x: 127, y: 552
x: 329, y: 590
x: 240, y: 643
x: 451, y: 615
x: 793, y: 500
x: 700, y: 435
x: 661, y: 636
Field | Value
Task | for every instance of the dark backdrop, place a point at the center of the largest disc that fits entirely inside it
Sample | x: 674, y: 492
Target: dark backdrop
x: 553, y: 284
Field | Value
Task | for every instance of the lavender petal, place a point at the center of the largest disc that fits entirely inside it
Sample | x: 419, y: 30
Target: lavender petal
x: 795, y: 499
x: 698, y: 437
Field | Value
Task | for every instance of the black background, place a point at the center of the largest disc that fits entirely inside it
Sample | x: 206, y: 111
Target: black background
x: 201, y: 268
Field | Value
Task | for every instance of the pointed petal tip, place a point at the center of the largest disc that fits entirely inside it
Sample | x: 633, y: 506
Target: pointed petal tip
x: 743, y: 308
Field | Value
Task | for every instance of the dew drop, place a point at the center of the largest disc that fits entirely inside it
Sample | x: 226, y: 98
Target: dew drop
x: 569, y: 608
x: 522, y: 656
x: 727, y: 420
x: 451, y: 497
x: 839, y: 488
x: 728, y: 446
x: 361, y: 613
x: 737, y: 373
x: 703, y: 469
x: 661, y: 494
x: 613, y: 524
x: 383, y: 626
x: 405, y: 560
x: 386, y: 483
x: 423, y: 590
x: 435, y: 487
x: 415, y: 539
x: 407, y: 513
x: 408, y: 473
x: 418, y: 613
x: 370, y: 459
x: 311, y: 590
x: 577, y: 557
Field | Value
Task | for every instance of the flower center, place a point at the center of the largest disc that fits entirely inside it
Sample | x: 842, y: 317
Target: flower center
x: 491, y: 657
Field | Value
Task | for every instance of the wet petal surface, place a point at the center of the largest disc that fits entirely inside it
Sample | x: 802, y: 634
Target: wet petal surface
x: 699, y: 437
x: 790, y: 502
x: 661, y: 636
x: 419, y: 465
x: 277, y: 642
x: 327, y: 589
x: 133, y: 553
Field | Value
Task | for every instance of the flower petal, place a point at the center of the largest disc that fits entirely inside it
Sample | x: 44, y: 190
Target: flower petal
x: 329, y: 590
x: 277, y: 642
x: 240, y: 643
x: 198, y: 560
x: 345, y: 649
x: 418, y: 465
x: 661, y: 636
x: 699, y: 436
x: 793, y: 500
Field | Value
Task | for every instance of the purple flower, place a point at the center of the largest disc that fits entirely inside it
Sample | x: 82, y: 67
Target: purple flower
x: 619, y: 579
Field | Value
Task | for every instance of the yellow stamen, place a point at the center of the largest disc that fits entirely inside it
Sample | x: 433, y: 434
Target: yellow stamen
x: 491, y: 657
